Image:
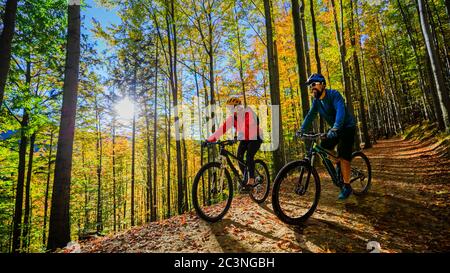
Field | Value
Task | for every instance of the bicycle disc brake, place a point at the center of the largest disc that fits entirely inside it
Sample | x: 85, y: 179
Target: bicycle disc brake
x: 300, y: 188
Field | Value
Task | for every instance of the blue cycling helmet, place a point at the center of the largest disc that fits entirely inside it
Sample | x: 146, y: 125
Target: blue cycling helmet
x: 315, y: 77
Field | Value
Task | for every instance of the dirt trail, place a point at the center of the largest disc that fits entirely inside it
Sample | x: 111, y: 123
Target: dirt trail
x: 406, y: 210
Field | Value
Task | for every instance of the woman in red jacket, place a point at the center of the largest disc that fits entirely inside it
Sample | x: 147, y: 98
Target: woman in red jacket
x: 246, y: 124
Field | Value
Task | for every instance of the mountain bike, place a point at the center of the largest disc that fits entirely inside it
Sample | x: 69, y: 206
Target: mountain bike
x: 212, y: 190
x: 296, y: 189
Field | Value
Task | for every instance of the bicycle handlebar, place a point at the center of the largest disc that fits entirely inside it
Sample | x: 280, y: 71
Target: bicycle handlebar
x: 313, y: 136
x: 222, y: 143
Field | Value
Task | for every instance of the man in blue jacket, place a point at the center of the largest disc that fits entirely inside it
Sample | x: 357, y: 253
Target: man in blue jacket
x: 330, y: 105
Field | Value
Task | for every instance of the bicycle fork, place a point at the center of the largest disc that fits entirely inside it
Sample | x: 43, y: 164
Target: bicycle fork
x: 221, y: 173
x: 301, y: 188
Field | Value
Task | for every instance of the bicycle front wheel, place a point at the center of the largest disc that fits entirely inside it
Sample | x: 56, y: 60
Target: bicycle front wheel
x: 296, y: 192
x: 212, y: 192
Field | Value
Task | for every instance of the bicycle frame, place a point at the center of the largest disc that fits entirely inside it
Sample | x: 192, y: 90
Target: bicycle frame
x: 225, y: 158
x: 324, y: 155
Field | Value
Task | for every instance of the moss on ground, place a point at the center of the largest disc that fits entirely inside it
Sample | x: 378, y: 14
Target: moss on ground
x: 425, y: 131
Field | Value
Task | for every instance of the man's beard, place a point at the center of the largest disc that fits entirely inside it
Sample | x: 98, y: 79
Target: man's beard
x: 317, y: 94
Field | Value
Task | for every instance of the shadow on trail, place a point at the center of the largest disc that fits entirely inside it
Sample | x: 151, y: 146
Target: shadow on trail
x: 330, y: 236
x: 267, y: 206
x: 409, y: 225
x: 223, y: 229
x: 398, y: 223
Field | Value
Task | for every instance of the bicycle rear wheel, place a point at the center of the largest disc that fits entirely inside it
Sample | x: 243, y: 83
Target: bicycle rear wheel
x: 361, y: 173
x: 296, y: 192
x: 262, y: 176
x: 212, y: 192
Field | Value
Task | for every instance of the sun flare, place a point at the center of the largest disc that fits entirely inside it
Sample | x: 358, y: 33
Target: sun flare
x: 125, y: 109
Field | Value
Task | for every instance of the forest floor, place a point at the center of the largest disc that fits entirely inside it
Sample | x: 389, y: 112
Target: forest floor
x: 406, y: 210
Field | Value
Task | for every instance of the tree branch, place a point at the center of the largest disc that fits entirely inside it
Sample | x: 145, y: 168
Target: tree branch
x: 11, y: 113
x: 17, y: 63
x: 193, y: 70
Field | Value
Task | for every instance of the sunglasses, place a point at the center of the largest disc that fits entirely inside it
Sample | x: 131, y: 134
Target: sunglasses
x: 314, y: 84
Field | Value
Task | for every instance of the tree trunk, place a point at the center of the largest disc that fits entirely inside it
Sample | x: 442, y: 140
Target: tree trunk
x: 432, y: 98
x: 406, y: 21
x: 395, y: 98
x: 212, y: 94
x: 241, y: 67
x: 168, y: 154
x: 343, y: 52
x: 149, y: 201
x: 21, y: 172
x: 9, y: 22
x: 299, y: 48
x: 278, y: 155
x: 305, y: 37
x: 87, y: 181
x: 47, y: 187
x: 17, y: 228
x: 392, y: 84
x: 357, y: 71
x: 185, y: 172
x: 447, y: 8
x: 176, y: 118
x: 125, y: 192
x: 316, y: 44
x: 378, y: 117
x: 171, y: 29
x: 27, y: 213
x: 435, y: 65
x: 445, y: 56
x: 99, y: 151
x: 434, y: 94
x: 133, y: 167
x: 368, y: 97
x: 197, y: 89
x: 113, y: 132
x: 133, y: 146
x: 59, y: 233
x: 155, y: 128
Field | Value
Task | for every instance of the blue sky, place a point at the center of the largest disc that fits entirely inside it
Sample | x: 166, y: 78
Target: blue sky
x: 103, y: 15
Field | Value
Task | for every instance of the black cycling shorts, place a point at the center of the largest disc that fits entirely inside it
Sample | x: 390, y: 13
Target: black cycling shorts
x: 345, y: 142
x: 251, y: 147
